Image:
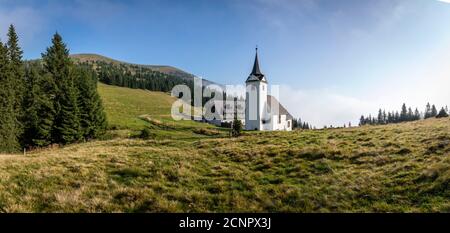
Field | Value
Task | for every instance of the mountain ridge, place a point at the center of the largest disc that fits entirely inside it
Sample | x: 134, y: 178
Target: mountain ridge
x: 166, y: 69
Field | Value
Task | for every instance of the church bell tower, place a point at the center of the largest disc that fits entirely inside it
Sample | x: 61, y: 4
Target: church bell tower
x: 256, y: 99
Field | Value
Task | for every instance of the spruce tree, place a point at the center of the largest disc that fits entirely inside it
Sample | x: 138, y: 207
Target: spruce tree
x: 362, y: 121
x: 404, y: 114
x: 9, y: 132
x: 410, y: 114
x: 236, y: 128
x: 14, y: 54
x: 380, y: 117
x: 38, y: 102
x: 427, y: 111
x: 92, y: 115
x: 442, y: 113
x: 66, y: 128
x: 433, y: 111
x: 416, y: 115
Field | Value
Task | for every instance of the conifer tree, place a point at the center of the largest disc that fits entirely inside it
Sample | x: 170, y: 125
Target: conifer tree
x: 380, y: 117
x: 396, y: 117
x: 416, y: 115
x: 38, y: 102
x: 428, y: 111
x: 236, y: 128
x: 362, y: 121
x: 14, y: 54
x: 9, y: 132
x: 433, y: 111
x: 410, y: 116
x: 92, y: 115
x: 66, y: 128
x: 442, y: 113
x: 403, y: 114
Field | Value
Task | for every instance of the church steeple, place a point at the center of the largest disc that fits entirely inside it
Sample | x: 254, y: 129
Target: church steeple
x: 256, y: 70
x: 256, y: 74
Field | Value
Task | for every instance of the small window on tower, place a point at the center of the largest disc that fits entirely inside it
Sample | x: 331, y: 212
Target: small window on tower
x: 263, y: 87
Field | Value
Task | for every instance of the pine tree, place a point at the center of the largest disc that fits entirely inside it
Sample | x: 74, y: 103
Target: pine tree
x: 9, y: 132
x: 14, y: 54
x: 92, y: 117
x: 362, y: 121
x: 433, y: 111
x: 427, y: 111
x: 416, y: 115
x: 294, y: 123
x: 237, y: 128
x: 38, y: 102
x: 66, y: 128
x: 404, y: 114
x: 410, y: 116
x: 380, y: 117
x: 442, y: 113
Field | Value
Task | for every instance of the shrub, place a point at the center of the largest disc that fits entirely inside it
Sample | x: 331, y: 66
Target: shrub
x: 145, y: 133
x: 237, y: 128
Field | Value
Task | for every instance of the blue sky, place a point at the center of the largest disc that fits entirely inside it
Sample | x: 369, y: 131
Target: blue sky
x: 334, y: 60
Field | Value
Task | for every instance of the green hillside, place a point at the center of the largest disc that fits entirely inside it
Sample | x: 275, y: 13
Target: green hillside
x: 124, y: 106
x: 168, y: 70
x: 161, y: 68
x: 130, y: 110
x: 186, y: 168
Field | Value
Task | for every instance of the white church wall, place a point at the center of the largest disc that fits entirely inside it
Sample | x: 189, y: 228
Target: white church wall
x: 262, y: 104
x: 258, y: 91
x: 251, y: 107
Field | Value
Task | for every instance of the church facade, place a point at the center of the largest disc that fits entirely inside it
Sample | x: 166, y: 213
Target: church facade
x: 263, y: 112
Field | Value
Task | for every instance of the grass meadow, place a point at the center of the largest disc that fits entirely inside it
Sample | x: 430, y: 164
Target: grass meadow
x: 193, y: 167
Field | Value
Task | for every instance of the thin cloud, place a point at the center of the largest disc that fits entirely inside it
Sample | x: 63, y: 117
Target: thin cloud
x: 28, y: 22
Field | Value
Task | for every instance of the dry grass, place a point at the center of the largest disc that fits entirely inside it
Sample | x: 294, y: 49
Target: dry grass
x: 397, y: 168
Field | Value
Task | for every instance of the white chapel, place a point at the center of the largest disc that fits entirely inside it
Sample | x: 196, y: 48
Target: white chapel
x: 262, y: 111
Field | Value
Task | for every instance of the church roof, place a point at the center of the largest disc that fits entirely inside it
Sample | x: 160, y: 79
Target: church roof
x: 256, y: 74
x: 272, y: 101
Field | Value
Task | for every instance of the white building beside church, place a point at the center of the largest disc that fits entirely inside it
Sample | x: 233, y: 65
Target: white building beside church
x: 263, y: 111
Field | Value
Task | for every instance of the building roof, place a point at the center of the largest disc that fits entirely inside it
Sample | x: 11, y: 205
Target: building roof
x: 256, y: 74
x: 272, y: 101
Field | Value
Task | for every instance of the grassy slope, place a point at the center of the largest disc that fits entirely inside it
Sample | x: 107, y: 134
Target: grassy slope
x: 396, y: 168
x: 131, y: 109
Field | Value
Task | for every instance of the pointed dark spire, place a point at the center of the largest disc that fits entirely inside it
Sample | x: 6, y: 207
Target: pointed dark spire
x: 256, y: 70
x: 256, y: 74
